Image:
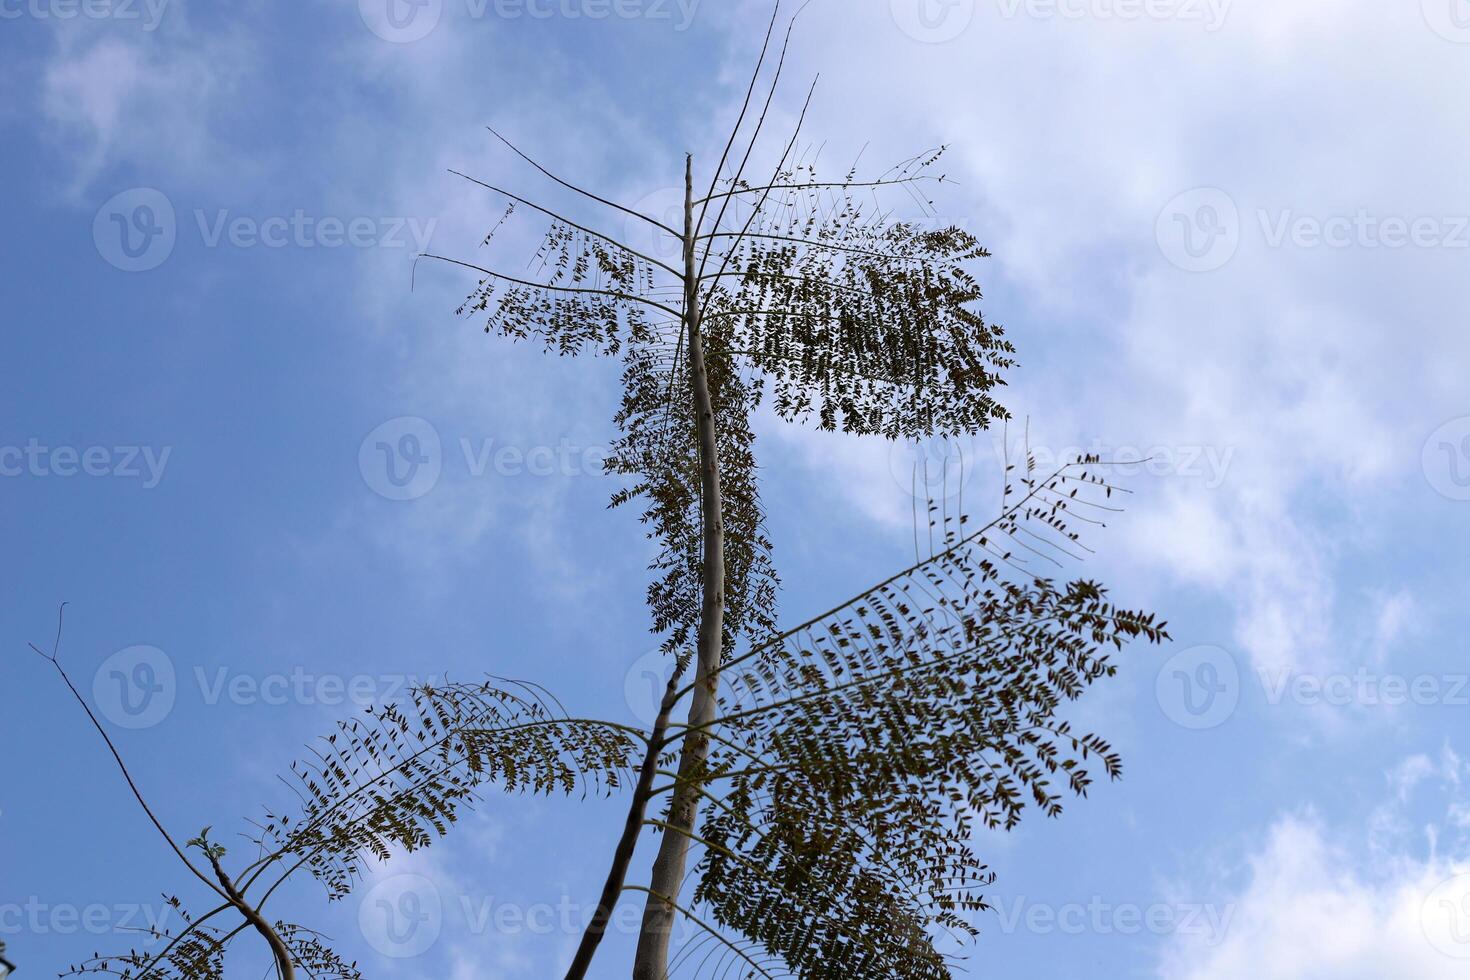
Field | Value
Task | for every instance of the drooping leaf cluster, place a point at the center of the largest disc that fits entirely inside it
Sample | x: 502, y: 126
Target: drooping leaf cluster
x: 854, y: 320
x: 584, y: 299
x: 856, y: 756
x: 396, y: 778
x: 862, y: 323
x: 195, y: 952
x: 657, y: 452
x: 313, y: 956
x: 392, y: 780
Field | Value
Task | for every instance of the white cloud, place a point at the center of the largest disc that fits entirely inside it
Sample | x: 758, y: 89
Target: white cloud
x: 1335, y: 904
x: 1318, y: 371
x: 152, y: 101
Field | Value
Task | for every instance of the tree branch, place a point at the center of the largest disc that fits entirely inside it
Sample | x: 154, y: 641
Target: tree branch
x: 629, y: 297
x: 582, y: 191
x: 54, y: 657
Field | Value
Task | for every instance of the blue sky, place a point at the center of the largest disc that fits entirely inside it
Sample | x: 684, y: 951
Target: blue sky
x: 1229, y: 236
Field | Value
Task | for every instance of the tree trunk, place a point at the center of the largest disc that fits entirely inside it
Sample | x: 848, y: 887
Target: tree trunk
x: 651, y: 961
x: 279, y: 952
x: 623, y: 856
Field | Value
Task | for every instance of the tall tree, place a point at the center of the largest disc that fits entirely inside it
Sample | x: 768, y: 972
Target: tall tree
x: 815, y: 806
x: 839, y: 787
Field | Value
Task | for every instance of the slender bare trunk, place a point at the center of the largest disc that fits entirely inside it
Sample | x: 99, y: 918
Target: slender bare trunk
x: 623, y: 856
x: 651, y: 961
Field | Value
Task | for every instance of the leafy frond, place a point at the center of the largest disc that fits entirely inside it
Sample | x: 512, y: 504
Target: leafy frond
x: 591, y: 295
x: 862, y: 323
x: 310, y: 952
x: 194, y: 952
x: 397, y: 777
x: 856, y: 755
x: 658, y: 453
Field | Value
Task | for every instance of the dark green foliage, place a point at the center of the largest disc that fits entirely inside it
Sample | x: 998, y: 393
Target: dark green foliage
x: 394, y: 780
x: 867, y: 326
x: 195, y: 952
x: 313, y: 956
x: 855, y: 321
x: 397, y: 778
x: 855, y: 755
x: 883, y: 734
